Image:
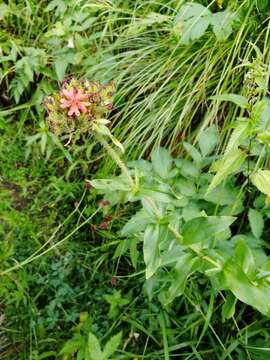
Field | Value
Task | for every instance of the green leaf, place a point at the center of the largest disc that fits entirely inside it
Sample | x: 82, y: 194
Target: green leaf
x: 228, y: 308
x: 83, y: 354
x: 201, y: 229
x: 256, y: 222
x: 236, y: 99
x: 208, y: 139
x: 151, y: 209
x: 262, y: 4
x: 260, y: 114
x: 151, y: 250
x: 191, y: 211
x: 180, y: 273
x: 58, y: 6
x: 187, y: 168
x: 43, y: 143
x: 193, y: 152
x: 116, y: 184
x: 227, y: 166
x: 222, y: 24
x: 25, y: 67
x: 162, y: 162
x: 249, y: 293
x: 88, y: 23
x: 121, y: 248
x: 173, y: 252
x: 245, y: 258
x: 56, y: 141
x: 139, y: 24
x: 142, y: 165
x: 161, y: 193
x: 4, y: 10
x: 17, y: 87
x: 240, y: 132
x: 94, y: 347
x: 136, y: 224
x: 116, y: 301
x: 191, y: 22
x: 223, y: 194
x: 254, y: 244
x: 117, y: 142
x: 100, y: 126
x: 133, y: 252
x: 112, y: 345
x: 60, y: 67
x: 185, y: 187
x: 32, y: 139
x: 261, y: 179
x: 73, y: 345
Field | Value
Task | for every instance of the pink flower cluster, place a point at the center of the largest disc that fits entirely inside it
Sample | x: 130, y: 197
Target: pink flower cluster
x: 72, y: 109
x: 75, y: 100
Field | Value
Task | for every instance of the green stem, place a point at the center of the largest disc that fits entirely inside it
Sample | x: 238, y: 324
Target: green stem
x: 116, y: 158
x: 193, y: 248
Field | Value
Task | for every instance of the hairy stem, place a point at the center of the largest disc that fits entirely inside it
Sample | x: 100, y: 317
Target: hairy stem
x: 116, y: 158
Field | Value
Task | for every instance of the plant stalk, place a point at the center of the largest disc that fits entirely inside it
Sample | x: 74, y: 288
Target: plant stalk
x: 116, y: 158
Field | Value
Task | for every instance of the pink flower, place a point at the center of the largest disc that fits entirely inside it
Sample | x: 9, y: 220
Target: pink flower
x: 75, y: 100
x: 104, y: 225
x: 113, y: 281
x: 88, y: 185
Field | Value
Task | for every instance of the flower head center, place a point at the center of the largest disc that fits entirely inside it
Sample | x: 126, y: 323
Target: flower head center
x: 74, y: 100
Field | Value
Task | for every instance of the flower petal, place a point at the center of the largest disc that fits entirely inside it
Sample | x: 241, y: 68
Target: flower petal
x: 67, y: 93
x: 73, y: 110
x: 65, y: 103
x: 82, y: 108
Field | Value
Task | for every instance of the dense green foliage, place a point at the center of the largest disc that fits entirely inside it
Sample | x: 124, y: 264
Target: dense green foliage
x: 168, y: 257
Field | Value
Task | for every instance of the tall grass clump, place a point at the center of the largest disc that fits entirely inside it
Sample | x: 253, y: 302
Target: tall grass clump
x: 164, y: 85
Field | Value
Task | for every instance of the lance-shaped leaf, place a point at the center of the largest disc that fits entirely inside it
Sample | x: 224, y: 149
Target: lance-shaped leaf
x: 239, y: 100
x: 137, y: 223
x: 238, y: 282
x: 191, y: 22
x: 162, y: 162
x: 244, y: 258
x: 228, y: 308
x: 201, y: 229
x: 227, y: 166
x: 115, y: 184
x: 256, y: 222
x: 94, y: 348
x: 208, y: 139
x: 112, y: 345
x: 261, y: 179
x: 222, y: 24
x: 180, y: 273
x: 151, y: 251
